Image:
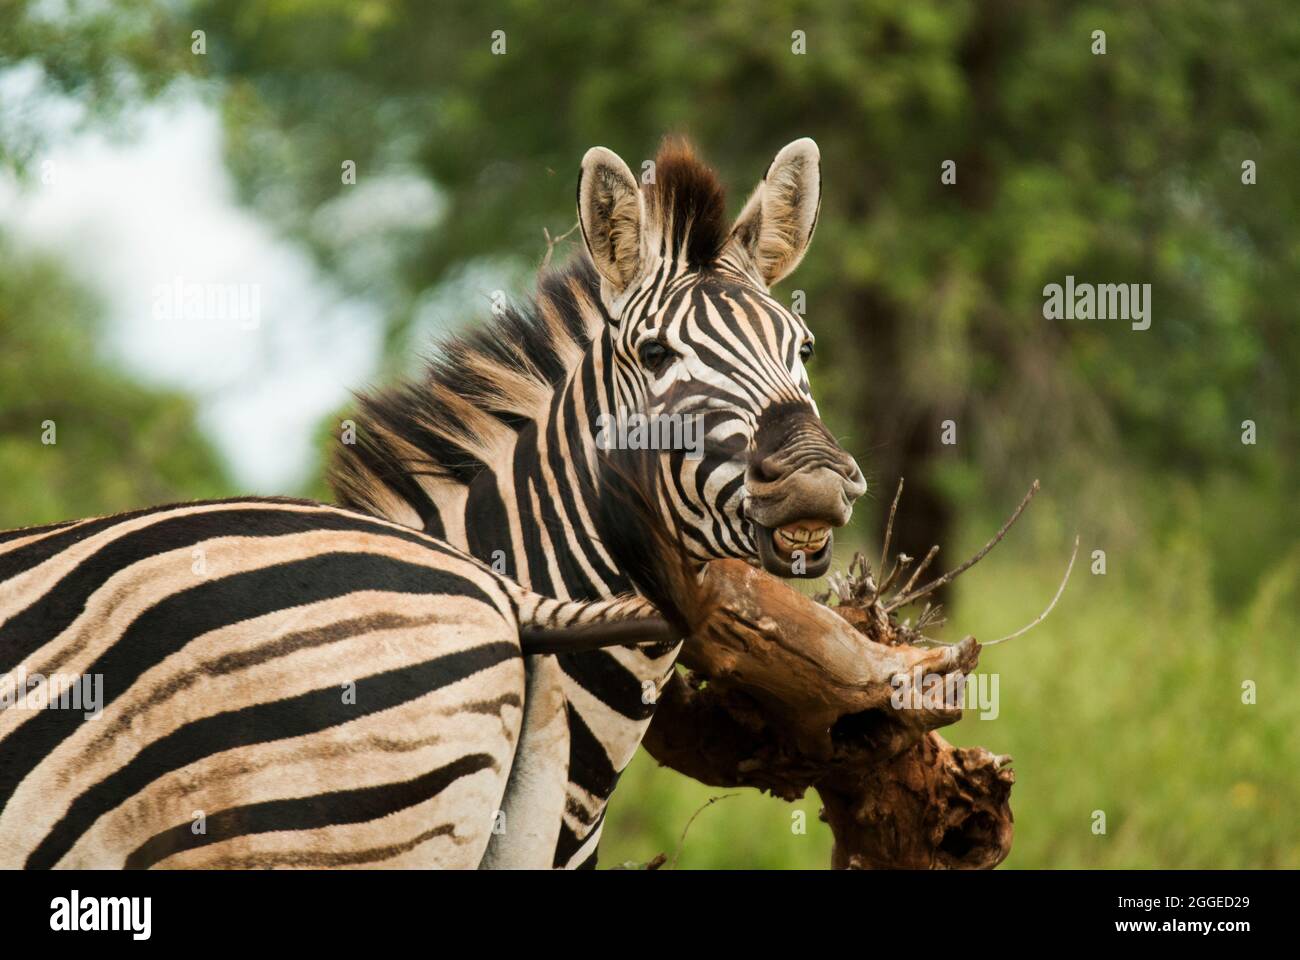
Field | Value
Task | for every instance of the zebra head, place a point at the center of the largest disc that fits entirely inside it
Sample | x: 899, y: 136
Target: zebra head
x: 701, y: 350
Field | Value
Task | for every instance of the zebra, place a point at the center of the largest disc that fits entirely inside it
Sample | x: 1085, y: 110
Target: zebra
x: 666, y: 314
x: 266, y: 683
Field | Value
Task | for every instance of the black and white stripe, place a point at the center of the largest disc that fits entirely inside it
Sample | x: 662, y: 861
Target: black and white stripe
x: 496, y: 450
x: 315, y: 687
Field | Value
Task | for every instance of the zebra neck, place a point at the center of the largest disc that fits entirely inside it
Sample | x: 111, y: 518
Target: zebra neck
x: 541, y: 515
x: 537, y: 515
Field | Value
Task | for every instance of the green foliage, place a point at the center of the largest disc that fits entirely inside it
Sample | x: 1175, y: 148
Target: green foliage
x: 104, y: 57
x: 1128, y: 699
x: 118, y: 445
x: 652, y: 807
x: 1124, y: 167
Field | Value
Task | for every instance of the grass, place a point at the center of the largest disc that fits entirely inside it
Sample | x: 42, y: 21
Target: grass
x: 1128, y: 700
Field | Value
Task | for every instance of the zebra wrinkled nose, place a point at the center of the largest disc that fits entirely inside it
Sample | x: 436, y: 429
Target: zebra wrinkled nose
x: 781, y: 490
x: 799, y: 484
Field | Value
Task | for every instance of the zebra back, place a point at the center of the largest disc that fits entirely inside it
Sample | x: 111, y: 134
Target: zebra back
x: 261, y: 683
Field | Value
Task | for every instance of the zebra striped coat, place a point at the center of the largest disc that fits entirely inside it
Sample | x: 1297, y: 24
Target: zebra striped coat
x: 503, y: 447
x: 264, y: 683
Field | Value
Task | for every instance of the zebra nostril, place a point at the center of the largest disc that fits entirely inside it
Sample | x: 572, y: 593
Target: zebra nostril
x: 764, y: 470
x: 855, y: 484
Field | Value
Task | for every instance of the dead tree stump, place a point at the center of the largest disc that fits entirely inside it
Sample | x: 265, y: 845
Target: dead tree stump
x: 785, y: 694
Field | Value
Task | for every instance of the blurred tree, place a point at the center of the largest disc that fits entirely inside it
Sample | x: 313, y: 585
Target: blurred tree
x: 98, y: 58
x: 117, y: 445
x: 928, y: 297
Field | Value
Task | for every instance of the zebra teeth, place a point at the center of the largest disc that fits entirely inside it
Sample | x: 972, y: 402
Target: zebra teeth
x: 801, y: 536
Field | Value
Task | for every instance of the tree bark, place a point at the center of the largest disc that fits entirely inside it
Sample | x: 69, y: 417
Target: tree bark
x: 783, y: 694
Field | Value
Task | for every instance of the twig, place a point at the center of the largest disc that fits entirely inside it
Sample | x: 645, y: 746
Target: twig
x: 916, y: 574
x: 901, y: 564
x: 930, y: 615
x: 707, y: 803
x: 550, y: 245
x: 1043, y: 616
x: 889, y: 526
x: 935, y: 584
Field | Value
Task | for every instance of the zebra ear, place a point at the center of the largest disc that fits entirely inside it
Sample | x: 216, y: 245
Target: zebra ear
x: 777, y: 223
x: 612, y: 212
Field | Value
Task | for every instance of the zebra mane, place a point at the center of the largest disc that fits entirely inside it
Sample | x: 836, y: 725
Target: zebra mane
x: 479, y: 388
x: 483, y: 385
x: 688, y: 202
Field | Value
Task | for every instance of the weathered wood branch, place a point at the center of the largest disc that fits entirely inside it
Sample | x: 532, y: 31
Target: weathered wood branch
x: 786, y: 694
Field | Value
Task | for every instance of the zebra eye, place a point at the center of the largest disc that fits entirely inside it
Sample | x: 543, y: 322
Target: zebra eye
x: 654, y: 355
x: 806, y: 351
